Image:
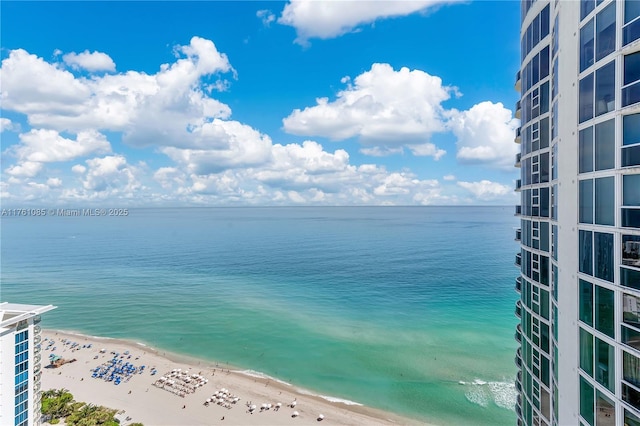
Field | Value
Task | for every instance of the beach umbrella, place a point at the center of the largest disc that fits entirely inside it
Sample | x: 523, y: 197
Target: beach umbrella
x: 268, y: 406
x: 293, y: 404
x: 253, y: 407
x: 320, y: 417
x: 279, y: 404
x: 295, y: 414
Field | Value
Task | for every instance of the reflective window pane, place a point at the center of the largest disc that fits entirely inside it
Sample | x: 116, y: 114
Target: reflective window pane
x: 603, y: 255
x: 605, y: 89
x: 631, y: 250
x: 631, y: 310
x: 606, y: 31
x: 604, y: 360
x: 631, y: 190
x: 631, y: 129
x: 605, y: 201
x: 631, y: 156
x: 630, y: 278
x: 586, y: 201
x: 604, y: 303
x: 586, y: 252
x: 605, y: 145
x: 586, y: 302
x: 586, y: 98
x: 585, y: 150
x: 586, y: 46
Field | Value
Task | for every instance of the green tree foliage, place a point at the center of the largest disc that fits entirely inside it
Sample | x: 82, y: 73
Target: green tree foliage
x: 59, y: 403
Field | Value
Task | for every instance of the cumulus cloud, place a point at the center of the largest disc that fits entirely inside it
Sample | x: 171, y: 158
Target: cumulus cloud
x: 329, y: 19
x: 26, y: 169
x: 90, y: 61
x: 486, y: 190
x: 485, y: 135
x: 449, y: 177
x: 49, y: 146
x: 384, y: 108
x: 7, y: 125
x: 149, y: 109
x: 215, y: 159
x: 110, y: 174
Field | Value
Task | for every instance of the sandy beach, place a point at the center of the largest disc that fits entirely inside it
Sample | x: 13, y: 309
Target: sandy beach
x: 176, y: 393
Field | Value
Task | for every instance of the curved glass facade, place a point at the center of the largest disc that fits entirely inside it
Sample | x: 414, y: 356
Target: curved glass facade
x: 579, y: 261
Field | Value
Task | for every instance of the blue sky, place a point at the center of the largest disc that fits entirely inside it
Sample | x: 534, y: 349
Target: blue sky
x: 258, y: 103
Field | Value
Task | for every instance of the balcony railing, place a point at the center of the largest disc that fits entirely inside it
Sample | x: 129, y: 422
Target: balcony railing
x: 518, y: 138
x: 518, y: 184
x: 518, y: 260
x: 518, y: 210
x: 518, y: 113
x: 518, y: 358
x: 519, y: 309
x: 518, y: 334
x: 518, y: 84
x: 518, y: 157
x: 518, y: 234
x: 519, y: 284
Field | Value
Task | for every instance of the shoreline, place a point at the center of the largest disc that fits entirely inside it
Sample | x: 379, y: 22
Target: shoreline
x: 141, y: 401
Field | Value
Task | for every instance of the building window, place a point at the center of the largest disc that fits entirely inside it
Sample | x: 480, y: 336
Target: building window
x: 606, y: 406
x: 602, y: 151
x: 586, y: 98
x: 604, y: 312
x: 601, y: 211
x: 631, y: 419
x: 631, y: 395
x: 605, y: 365
x: 631, y: 250
x: 631, y: 140
x: 586, y: 303
x: 585, y: 150
x: 630, y: 278
x: 586, y: 7
x: 605, y: 143
x: 586, y: 401
x: 606, y: 31
x: 631, y: 28
x: 603, y: 256
x: 631, y: 201
x: 586, y: 252
x: 605, y: 88
x: 587, y: 37
x: 631, y: 310
x: 631, y: 81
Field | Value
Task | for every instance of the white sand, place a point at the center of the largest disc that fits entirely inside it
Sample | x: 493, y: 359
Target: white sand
x: 143, y: 402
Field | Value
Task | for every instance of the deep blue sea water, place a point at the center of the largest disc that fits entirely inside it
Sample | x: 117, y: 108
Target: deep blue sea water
x: 408, y: 309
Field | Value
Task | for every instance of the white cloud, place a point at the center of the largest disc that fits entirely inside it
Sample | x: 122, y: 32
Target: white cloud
x: 79, y: 169
x: 449, y: 177
x: 149, y: 109
x: 384, y: 108
x: 48, y: 146
x: 110, y: 175
x: 26, y: 169
x: 266, y: 16
x: 485, y: 135
x: 96, y: 61
x: 486, y: 190
x: 328, y: 19
x: 7, y: 125
x: 54, y: 182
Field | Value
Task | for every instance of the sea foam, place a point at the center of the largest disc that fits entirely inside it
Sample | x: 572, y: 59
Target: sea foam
x: 502, y: 394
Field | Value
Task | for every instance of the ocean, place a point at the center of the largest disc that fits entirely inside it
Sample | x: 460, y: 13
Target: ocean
x: 407, y: 309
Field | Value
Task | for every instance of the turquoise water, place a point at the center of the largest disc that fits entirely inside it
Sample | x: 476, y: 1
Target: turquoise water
x: 408, y: 309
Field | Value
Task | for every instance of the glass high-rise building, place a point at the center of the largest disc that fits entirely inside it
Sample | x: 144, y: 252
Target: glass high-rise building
x: 579, y: 282
x: 20, y: 363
